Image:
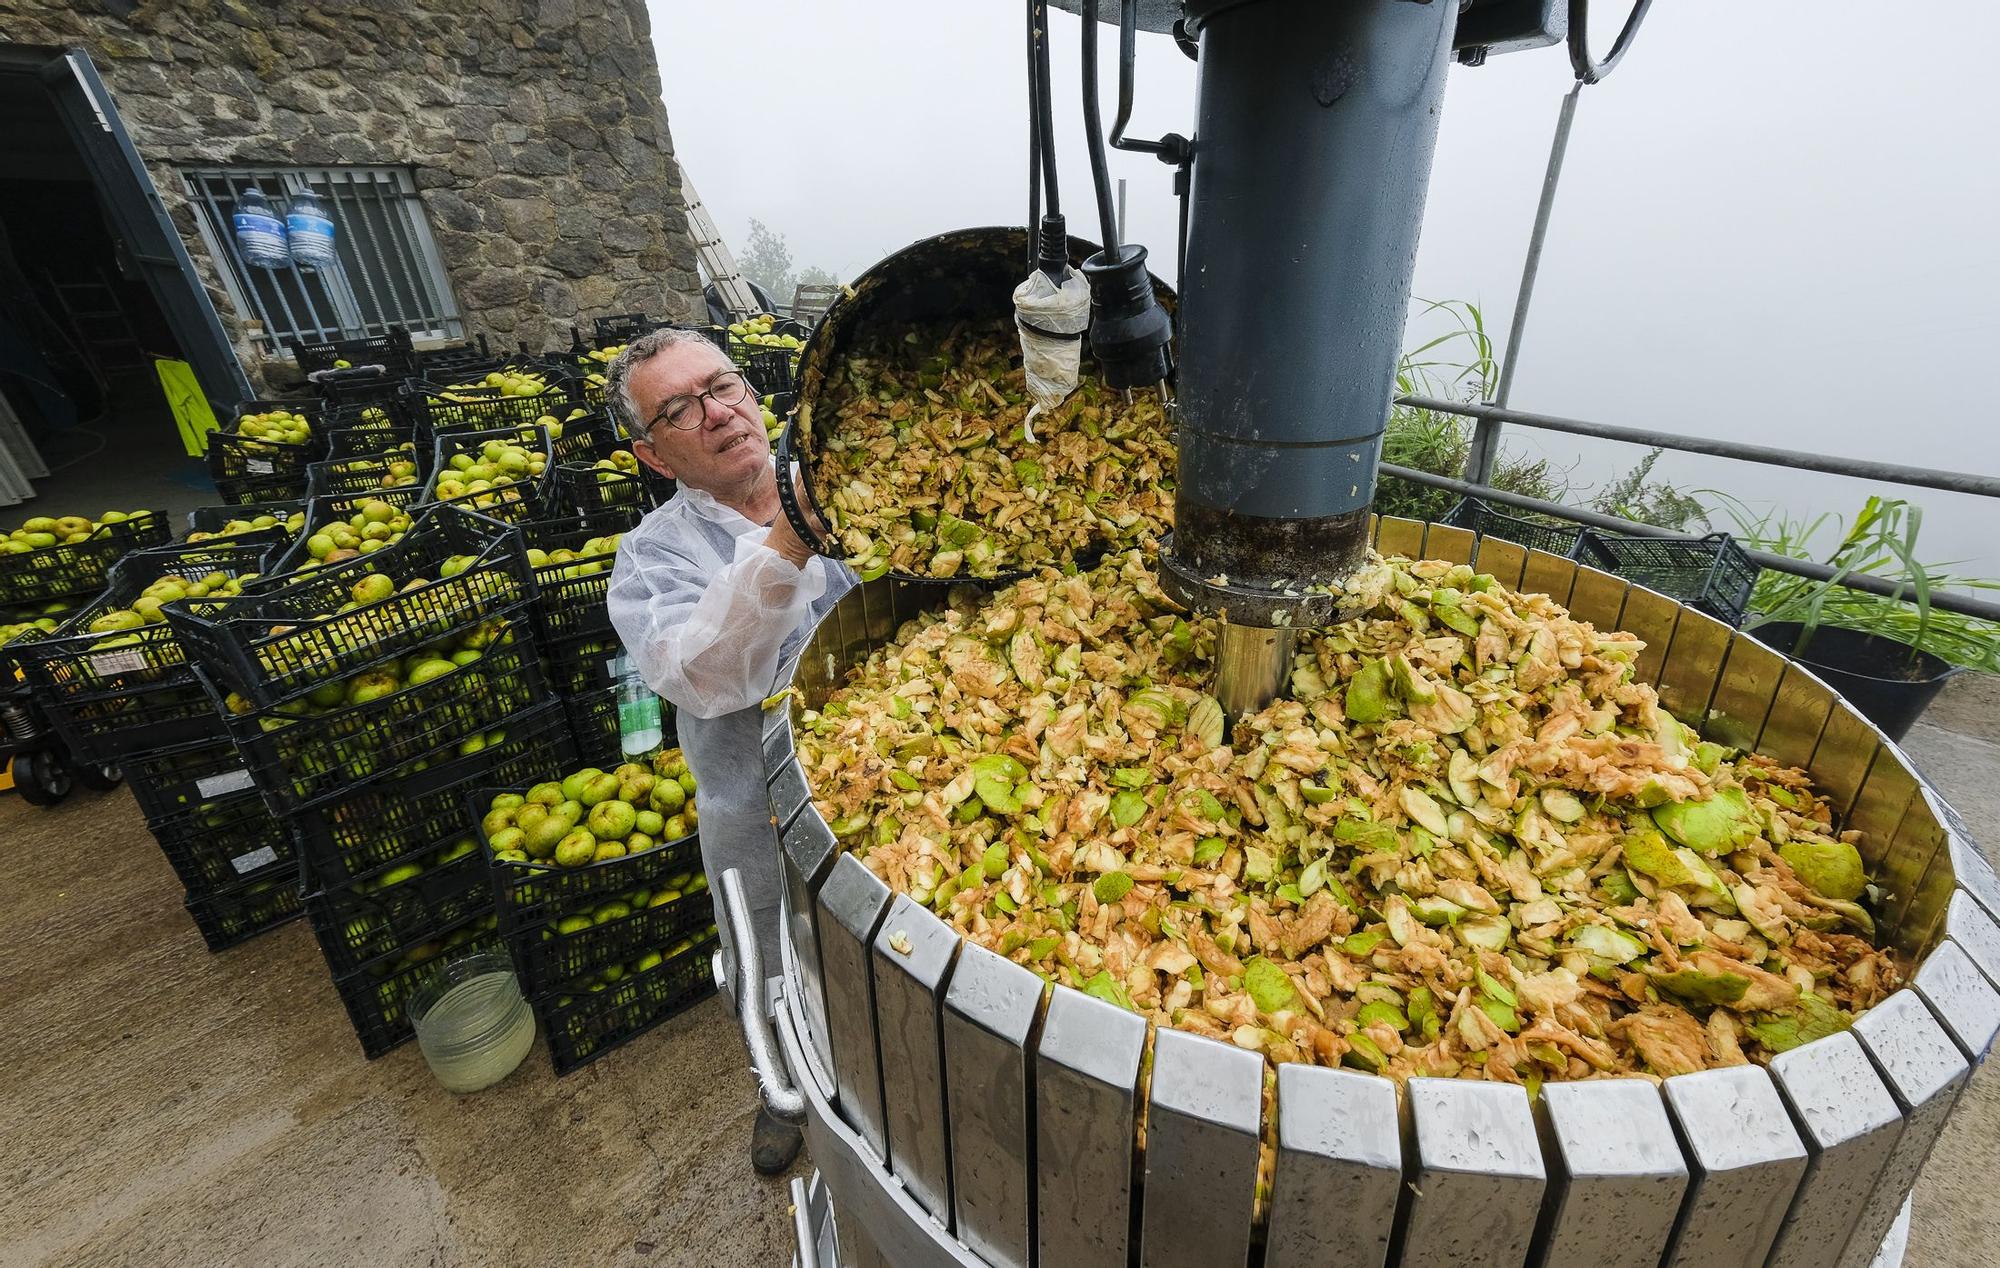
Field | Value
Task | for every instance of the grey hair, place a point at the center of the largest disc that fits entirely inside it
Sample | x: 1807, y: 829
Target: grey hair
x: 618, y: 379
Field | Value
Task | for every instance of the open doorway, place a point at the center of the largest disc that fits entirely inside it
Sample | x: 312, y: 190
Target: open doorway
x: 95, y: 287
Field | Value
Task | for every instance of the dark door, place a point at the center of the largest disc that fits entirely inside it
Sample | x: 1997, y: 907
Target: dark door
x: 136, y: 214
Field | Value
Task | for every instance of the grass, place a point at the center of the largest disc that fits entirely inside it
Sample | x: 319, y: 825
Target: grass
x: 1881, y: 541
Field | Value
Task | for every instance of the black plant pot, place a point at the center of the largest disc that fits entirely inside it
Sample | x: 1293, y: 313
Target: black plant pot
x: 1891, y: 683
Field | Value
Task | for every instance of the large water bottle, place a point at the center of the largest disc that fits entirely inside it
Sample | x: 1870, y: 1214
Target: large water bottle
x: 260, y: 235
x: 640, y: 729
x: 310, y: 231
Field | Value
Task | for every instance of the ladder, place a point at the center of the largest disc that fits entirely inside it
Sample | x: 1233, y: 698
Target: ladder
x: 99, y: 324
x: 716, y: 260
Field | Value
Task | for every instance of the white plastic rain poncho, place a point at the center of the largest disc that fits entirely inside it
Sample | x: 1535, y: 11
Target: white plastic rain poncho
x: 709, y: 614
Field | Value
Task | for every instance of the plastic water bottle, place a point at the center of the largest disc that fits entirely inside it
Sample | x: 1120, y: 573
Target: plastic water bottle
x: 260, y: 235
x: 640, y: 730
x: 310, y: 232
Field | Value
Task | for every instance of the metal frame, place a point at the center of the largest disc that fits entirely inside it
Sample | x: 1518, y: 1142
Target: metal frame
x: 1718, y: 1168
x: 380, y: 226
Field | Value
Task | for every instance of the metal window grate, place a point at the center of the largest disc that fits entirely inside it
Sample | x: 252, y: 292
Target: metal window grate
x: 390, y: 273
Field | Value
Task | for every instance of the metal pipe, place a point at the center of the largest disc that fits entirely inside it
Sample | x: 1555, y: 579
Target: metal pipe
x: 1034, y: 146
x: 1485, y: 449
x: 1128, y: 45
x: 1943, y: 600
x: 782, y: 1099
x: 1587, y: 70
x: 802, y: 1228
x: 1860, y: 468
x: 1307, y: 197
x: 1252, y: 665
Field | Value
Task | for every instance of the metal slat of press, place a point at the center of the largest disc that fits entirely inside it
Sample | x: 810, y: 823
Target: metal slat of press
x: 851, y: 906
x: 1743, y: 691
x: 1746, y: 1160
x: 1693, y: 663
x: 1340, y: 1149
x: 1970, y: 926
x: 1616, y: 1175
x: 1503, y: 560
x: 913, y: 955
x: 1476, y: 1174
x: 989, y: 1023
x: 809, y: 851
x: 1925, y: 1071
x: 1453, y: 545
x: 1599, y: 598
x: 1204, y: 1110
x: 1850, y: 1124
x: 1974, y: 874
x: 1548, y: 574
x: 1961, y: 997
x: 1086, y: 1101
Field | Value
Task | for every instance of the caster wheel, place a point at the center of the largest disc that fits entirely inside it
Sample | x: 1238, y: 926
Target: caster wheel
x: 40, y: 779
x: 99, y: 778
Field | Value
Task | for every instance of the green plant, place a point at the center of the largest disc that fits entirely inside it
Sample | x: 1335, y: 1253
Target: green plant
x: 1437, y: 442
x: 1634, y: 496
x: 1881, y: 542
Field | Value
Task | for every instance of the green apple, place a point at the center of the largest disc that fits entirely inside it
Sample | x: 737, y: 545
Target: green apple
x: 611, y: 820
x: 548, y: 794
x: 649, y: 822
x: 600, y: 789
x: 576, y: 848
x: 497, y: 820
x: 572, y: 788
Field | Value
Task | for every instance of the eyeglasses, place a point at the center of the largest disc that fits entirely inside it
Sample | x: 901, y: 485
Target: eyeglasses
x: 684, y: 413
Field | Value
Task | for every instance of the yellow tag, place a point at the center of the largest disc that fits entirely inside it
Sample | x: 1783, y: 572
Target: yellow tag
x: 191, y: 412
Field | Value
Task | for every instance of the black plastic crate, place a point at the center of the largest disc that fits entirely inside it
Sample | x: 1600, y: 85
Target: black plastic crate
x: 530, y: 895
x: 233, y: 916
x: 380, y: 918
x: 603, y: 492
x: 173, y: 781
x: 344, y: 391
x: 67, y: 569
x: 565, y: 945
x: 377, y: 997
x: 621, y: 328
x: 289, y: 639
x: 226, y: 843
x: 570, y: 598
x: 436, y: 357
x: 583, y: 663
x: 255, y: 490
x: 366, y: 442
x: 124, y: 691
x: 377, y: 412
x: 526, y: 498
x: 299, y: 761
x: 212, y: 520
x: 391, y: 350
x: 232, y: 455
x: 593, y: 719
x: 367, y: 473
x: 437, y: 409
x: 1710, y: 573
x: 325, y: 510
x: 585, y: 1026
x: 585, y: 438
x: 397, y: 818
x: 1485, y: 521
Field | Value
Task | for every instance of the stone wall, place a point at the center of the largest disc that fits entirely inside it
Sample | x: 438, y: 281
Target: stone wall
x: 534, y: 129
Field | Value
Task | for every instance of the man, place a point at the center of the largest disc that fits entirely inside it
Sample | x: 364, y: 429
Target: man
x: 711, y: 594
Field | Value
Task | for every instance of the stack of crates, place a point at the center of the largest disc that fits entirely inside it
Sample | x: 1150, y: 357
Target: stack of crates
x: 365, y: 699
x: 572, y: 558
x: 605, y: 949
x: 120, y: 691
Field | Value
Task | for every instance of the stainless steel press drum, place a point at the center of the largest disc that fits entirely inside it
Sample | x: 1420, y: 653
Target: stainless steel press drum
x: 959, y: 1117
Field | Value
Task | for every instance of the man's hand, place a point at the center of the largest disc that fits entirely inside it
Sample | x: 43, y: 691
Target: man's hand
x: 784, y: 539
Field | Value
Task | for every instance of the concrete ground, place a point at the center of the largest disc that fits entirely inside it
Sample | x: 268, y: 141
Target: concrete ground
x: 163, y: 1106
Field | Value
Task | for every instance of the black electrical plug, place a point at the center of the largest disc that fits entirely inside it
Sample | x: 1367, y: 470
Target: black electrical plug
x: 1054, y: 258
x: 1129, y: 331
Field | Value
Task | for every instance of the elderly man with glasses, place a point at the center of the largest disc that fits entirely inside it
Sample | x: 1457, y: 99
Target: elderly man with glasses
x: 711, y: 594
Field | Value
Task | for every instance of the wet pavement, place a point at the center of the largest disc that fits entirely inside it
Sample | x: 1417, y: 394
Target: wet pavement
x: 163, y: 1106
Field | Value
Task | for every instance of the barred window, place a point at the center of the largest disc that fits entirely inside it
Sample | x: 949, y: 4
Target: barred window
x: 390, y: 273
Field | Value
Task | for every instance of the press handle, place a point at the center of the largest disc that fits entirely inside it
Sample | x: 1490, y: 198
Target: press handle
x: 802, y: 1229
x: 788, y: 493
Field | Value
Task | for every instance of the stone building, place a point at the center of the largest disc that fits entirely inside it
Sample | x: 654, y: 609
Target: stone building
x: 496, y: 166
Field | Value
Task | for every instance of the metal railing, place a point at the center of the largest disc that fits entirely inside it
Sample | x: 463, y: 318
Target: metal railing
x: 390, y: 274
x: 1491, y: 417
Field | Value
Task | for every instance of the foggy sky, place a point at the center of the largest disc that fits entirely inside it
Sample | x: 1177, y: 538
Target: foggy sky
x: 1775, y: 222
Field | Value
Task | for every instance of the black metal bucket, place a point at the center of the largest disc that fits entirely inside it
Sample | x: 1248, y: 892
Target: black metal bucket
x: 961, y: 274
x: 1891, y: 683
